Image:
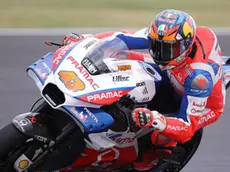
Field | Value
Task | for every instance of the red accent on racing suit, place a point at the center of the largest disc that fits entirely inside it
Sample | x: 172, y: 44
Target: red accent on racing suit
x: 200, y: 81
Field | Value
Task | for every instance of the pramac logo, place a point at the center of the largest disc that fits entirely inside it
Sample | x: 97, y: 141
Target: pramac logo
x: 60, y: 54
x: 71, y: 81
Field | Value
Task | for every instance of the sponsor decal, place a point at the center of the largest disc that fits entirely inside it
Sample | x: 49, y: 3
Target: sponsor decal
x: 120, y: 78
x: 168, y: 18
x: 146, y: 99
x: 194, y: 111
x: 104, y: 97
x: 41, y: 74
x: 91, y: 115
x: 179, y: 76
x: 44, y: 71
x: 145, y: 91
x: 23, y: 164
x: 89, y: 66
x: 23, y: 122
x: 198, y: 91
x: 200, y: 105
x: 41, y: 138
x: 140, y: 84
x: 60, y: 54
x: 47, y: 67
x: 86, y: 46
x: 124, y: 140
x: 83, y: 72
x: 176, y: 128
x: 116, y: 137
x: 206, y: 118
x: 162, y: 29
x: 196, y: 105
x: 32, y: 119
x: 71, y: 81
x: 227, y: 76
x: 50, y: 100
x: 80, y: 115
x: 124, y: 67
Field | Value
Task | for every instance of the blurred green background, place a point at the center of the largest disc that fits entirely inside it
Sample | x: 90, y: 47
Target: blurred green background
x: 106, y: 13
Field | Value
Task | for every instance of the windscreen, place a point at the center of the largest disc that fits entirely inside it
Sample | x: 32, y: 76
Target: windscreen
x: 106, y: 48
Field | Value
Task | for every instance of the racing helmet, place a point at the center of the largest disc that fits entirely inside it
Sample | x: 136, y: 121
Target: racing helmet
x: 171, y: 36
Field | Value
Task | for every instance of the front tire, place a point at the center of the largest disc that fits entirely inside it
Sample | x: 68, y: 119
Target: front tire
x: 50, y: 123
x: 12, y: 144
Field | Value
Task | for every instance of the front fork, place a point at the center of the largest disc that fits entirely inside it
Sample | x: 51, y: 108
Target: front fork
x: 33, y: 125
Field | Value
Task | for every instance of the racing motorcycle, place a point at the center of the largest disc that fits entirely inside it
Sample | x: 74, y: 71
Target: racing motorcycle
x: 82, y: 121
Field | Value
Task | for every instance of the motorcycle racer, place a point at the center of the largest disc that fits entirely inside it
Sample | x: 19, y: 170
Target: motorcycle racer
x: 191, y: 64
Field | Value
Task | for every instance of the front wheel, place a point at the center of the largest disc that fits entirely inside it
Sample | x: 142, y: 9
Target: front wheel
x: 12, y: 144
x: 54, y: 125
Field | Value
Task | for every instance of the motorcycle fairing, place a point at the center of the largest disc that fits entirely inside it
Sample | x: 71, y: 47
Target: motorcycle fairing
x: 72, y: 77
x: 49, y: 63
x: 60, y: 55
x: 42, y: 67
x: 28, y: 123
x: 124, y: 152
x: 92, y: 119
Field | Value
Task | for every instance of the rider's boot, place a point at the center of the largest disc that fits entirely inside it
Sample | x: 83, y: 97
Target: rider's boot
x: 149, y: 159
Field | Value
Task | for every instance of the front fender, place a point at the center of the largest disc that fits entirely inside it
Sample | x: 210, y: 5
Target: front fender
x: 31, y: 124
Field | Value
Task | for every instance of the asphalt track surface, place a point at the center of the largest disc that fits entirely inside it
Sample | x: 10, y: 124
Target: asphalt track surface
x: 18, y: 92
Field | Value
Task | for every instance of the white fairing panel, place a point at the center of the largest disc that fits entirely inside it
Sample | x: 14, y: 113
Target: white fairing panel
x: 109, y: 139
x: 127, y: 76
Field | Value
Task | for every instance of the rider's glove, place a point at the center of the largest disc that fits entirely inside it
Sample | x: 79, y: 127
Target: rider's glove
x: 145, y: 118
x: 72, y: 38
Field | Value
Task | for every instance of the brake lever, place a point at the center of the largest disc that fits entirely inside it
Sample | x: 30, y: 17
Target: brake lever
x: 52, y: 43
